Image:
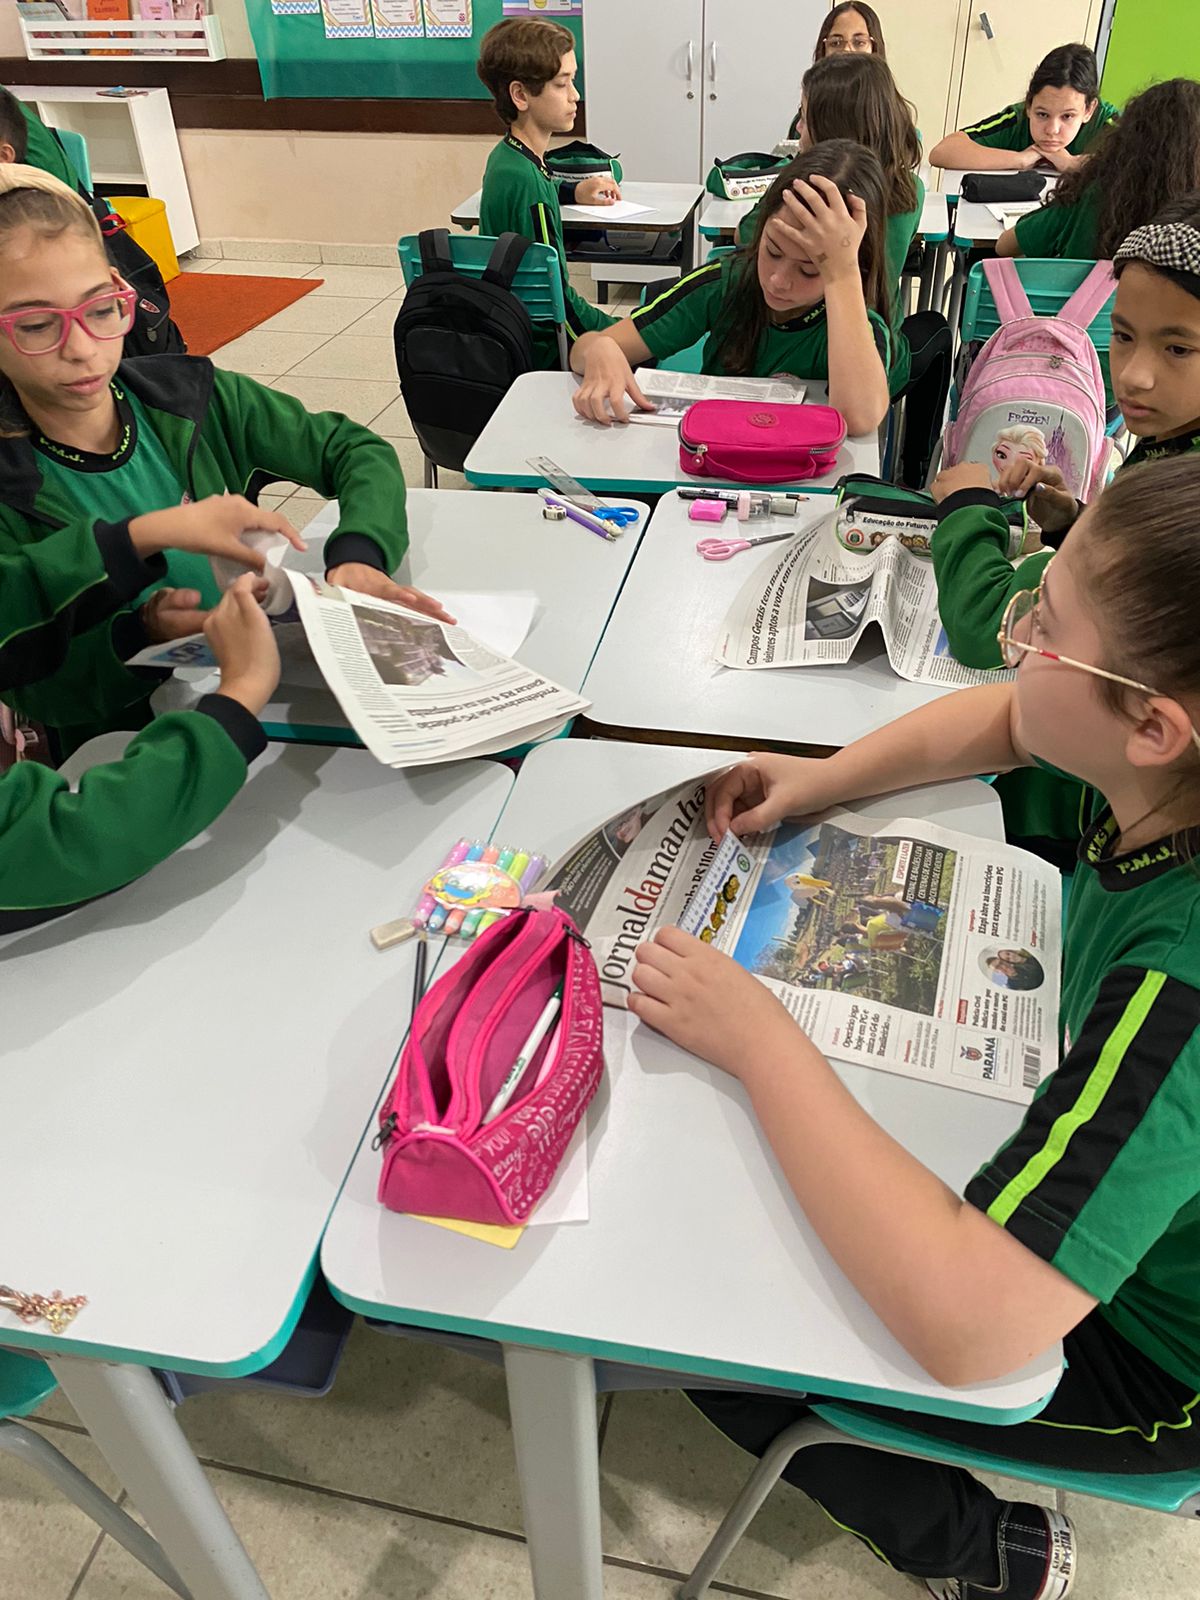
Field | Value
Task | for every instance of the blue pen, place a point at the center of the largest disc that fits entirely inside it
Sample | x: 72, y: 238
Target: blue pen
x: 437, y: 917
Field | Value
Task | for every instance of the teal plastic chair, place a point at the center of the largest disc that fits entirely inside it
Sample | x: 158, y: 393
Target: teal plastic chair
x: 77, y: 152
x: 24, y: 1384
x: 1175, y: 1493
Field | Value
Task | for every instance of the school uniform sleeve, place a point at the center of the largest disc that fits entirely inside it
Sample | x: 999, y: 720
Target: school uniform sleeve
x: 62, y: 847
x: 567, y: 188
x: 1106, y: 1155
x: 682, y: 314
x: 44, y: 151
x: 1044, y: 232
x: 327, y: 452
x: 975, y: 578
x: 1003, y: 130
x: 92, y: 687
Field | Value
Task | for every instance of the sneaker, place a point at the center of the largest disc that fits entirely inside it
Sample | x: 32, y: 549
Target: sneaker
x: 1037, y: 1559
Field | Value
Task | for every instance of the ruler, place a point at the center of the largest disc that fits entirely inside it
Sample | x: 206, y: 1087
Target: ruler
x: 564, y: 484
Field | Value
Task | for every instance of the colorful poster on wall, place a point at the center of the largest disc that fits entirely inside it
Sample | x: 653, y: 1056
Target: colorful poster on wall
x: 347, y: 19
x: 447, y: 19
x: 295, y: 8
x: 397, y: 19
x: 543, y: 8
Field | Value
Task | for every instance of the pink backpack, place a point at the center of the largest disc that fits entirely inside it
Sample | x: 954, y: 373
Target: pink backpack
x: 443, y: 1155
x: 1036, y: 387
x: 755, y: 443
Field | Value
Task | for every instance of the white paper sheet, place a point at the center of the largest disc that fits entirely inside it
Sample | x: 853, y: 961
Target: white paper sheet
x: 566, y: 1200
x: 619, y: 211
x: 500, y: 619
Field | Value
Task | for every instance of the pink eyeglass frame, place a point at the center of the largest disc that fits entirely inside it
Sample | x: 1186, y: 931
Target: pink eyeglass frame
x: 126, y: 298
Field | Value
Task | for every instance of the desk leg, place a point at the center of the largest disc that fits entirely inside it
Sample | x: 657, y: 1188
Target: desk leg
x: 933, y: 269
x: 552, y: 1398
x: 958, y: 284
x: 134, y: 1428
x: 687, y: 261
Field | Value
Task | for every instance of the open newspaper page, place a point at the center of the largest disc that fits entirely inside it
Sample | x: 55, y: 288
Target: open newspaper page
x: 418, y: 691
x: 899, y: 945
x: 809, y: 603
x: 673, y: 392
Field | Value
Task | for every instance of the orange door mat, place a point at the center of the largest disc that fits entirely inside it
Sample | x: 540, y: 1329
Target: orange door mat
x: 213, y: 308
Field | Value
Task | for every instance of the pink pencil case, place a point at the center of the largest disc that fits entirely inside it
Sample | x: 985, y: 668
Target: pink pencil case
x: 754, y: 443
x: 439, y: 1157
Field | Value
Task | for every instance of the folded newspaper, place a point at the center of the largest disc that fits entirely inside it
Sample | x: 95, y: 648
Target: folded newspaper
x: 897, y: 945
x: 673, y: 392
x: 415, y: 691
x: 811, y: 600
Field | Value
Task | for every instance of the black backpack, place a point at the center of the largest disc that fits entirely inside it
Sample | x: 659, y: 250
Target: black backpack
x: 153, y: 333
x: 460, y: 344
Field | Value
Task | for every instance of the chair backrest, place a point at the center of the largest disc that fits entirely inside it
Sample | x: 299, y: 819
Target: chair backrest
x: 538, y: 284
x: 25, y: 1382
x: 1049, y: 284
x: 76, y: 147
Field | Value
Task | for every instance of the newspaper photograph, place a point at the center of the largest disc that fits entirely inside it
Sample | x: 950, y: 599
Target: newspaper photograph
x: 673, y: 392
x: 898, y: 945
x: 809, y: 603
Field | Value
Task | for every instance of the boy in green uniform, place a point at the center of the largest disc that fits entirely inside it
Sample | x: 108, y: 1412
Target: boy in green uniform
x: 529, y: 68
x: 1056, y: 124
x: 25, y: 137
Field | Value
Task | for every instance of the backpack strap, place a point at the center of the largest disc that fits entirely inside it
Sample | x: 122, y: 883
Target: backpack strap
x: 434, y: 245
x: 1007, y: 289
x: 1086, y: 304
x: 507, y: 254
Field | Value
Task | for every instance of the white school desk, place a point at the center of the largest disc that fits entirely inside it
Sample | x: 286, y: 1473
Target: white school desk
x: 654, y: 673
x: 192, y: 1063
x: 536, y: 418
x: 481, y: 542
x: 696, y: 1257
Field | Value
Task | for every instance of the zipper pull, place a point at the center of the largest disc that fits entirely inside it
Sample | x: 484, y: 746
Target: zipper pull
x: 387, y: 1129
x: 574, y: 933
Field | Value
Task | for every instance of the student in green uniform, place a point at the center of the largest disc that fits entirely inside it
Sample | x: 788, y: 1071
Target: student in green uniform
x: 1155, y: 361
x: 1146, y: 160
x: 85, y: 438
x: 848, y: 29
x: 529, y: 67
x: 25, y: 137
x: 807, y: 296
x: 1055, y: 125
x: 1085, y: 1225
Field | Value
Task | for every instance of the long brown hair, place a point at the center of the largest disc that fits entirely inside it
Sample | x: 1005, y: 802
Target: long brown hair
x: 854, y: 169
x: 838, y: 12
x: 1147, y: 158
x: 855, y: 97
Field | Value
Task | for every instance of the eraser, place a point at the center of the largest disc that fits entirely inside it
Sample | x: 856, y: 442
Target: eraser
x: 389, y: 933
x: 707, y: 511
x: 783, y: 505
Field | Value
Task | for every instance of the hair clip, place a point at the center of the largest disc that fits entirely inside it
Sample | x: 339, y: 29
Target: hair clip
x: 56, y: 1308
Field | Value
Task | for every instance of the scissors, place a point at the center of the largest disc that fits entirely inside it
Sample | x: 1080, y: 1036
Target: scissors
x: 723, y: 549
x: 623, y: 516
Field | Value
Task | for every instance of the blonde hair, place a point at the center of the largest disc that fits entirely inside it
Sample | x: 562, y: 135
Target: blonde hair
x: 1023, y: 435
x: 31, y: 198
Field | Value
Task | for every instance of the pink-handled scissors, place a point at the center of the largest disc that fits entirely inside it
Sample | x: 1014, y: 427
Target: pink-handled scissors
x: 722, y: 549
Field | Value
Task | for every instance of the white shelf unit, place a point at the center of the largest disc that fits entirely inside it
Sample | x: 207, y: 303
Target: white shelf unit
x: 139, y: 40
x: 130, y: 141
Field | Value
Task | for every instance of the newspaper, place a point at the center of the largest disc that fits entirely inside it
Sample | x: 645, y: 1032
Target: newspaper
x: 898, y: 945
x: 673, y: 392
x: 809, y: 603
x: 414, y: 690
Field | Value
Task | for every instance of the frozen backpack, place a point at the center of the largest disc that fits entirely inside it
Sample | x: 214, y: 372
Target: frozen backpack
x: 1036, y: 387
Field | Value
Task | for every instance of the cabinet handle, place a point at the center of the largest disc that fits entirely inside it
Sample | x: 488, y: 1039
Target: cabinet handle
x: 712, y: 70
x: 691, y: 67
x: 986, y: 25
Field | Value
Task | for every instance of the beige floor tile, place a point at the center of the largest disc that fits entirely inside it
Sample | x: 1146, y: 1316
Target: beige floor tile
x: 412, y: 464
x: 350, y: 355
x: 405, y: 1422
x: 359, y: 255
x: 314, y: 314
x: 300, y: 509
x: 376, y: 323
x: 267, y: 355
x: 378, y: 281
x: 394, y: 423
x: 267, y: 269
x: 314, y: 1547
x: 201, y: 264
x: 1134, y: 1555
x: 667, y: 1479
x: 44, y: 1540
x: 360, y: 400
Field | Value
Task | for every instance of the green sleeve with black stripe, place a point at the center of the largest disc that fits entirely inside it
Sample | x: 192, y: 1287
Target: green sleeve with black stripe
x: 544, y: 227
x: 682, y: 314
x: 975, y: 578
x: 1102, y: 1178
x: 1003, y: 130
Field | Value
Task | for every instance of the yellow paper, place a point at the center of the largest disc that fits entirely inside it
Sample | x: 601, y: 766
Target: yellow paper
x: 496, y: 1233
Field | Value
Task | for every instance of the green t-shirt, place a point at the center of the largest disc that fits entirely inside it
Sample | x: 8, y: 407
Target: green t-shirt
x: 135, y: 478
x: 694, y: 309
x: 1102, y: 1179
x: 521, y: 196
x: 44, y: 150
x: 1066, y: 231
x: 1009, y: 129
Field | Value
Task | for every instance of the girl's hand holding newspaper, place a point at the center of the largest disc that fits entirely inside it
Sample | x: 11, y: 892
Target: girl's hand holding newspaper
x: 764, y: 789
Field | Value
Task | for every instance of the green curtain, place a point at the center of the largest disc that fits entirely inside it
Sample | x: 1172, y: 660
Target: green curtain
x: 296, y: 59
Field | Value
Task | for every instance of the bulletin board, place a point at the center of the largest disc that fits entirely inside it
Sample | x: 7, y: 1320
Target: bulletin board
x: 384, y: 49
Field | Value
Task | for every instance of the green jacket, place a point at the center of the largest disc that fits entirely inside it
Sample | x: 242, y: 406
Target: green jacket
x: 43, y: 150
x: 62, y: 660
x: 60, y: 847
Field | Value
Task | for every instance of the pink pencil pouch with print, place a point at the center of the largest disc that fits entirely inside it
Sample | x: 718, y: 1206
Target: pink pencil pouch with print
x: 440, y: 1157
x: 754, y: 443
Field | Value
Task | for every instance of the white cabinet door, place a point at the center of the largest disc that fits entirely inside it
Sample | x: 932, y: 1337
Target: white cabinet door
x: 642, y: 72
x: 996, y: 69
x: 754, y: 58
x: 924, y: 59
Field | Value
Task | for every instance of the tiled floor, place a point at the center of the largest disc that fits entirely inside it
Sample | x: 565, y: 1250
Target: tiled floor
x: 400, y: 1485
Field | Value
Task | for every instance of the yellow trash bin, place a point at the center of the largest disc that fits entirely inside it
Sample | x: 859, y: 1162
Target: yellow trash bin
x: 146, y: 221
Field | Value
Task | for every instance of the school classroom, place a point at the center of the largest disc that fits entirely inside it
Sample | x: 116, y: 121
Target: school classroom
x: 419, y: 423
